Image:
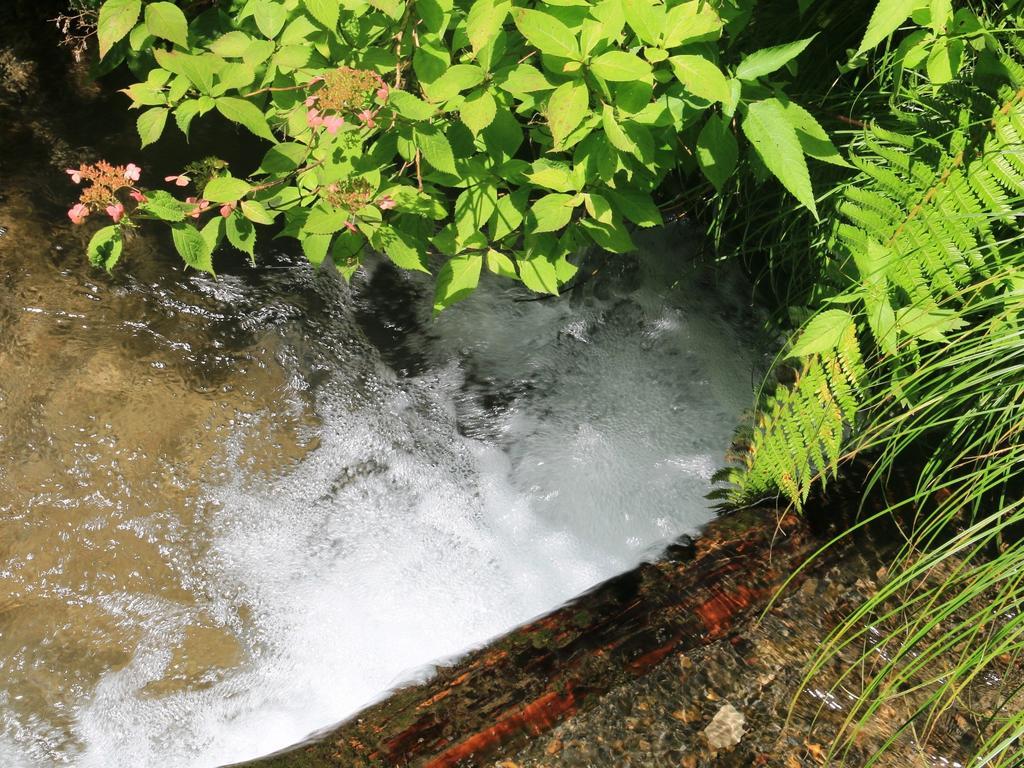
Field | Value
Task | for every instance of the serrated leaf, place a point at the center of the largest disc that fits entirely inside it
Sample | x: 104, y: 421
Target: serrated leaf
x: 436, y: 149
x: 767, y: 60
x: 775, y: 141
x: 232, y: 45
x: 270, y: 16
x: 636, y: 206
x: 457, y: 279
x: 167, y: 21
x: 256, y: 212
x: 823, y: 333
x: 646, y: 19
x: 241, y: 233
x: 539, y: 274
x: 325, y: 221
x: 484, y: 20
x: 105, y: 247
x: 813, y: 139
x: 550, y: 213
x: 566, y: 109
x: 401, y: 248
x: 717, y: 151
x: 620, y: 67
x: 455, y: 80
x: 245, y: 113
x: 410, y: 107
x: 226, y: 189
x: 886, y: 19
x: 500, y: 264
x: 151, y: 125
x: 324, y: 11
x: 116, y: 19
x: 700, y: 77
x: 192, y: 247
x: 163, y: 206
x: 184, y: 113
x: 691, y: 22
x: 546, y: 33
x: 478, y: 111
x: 315, y: 247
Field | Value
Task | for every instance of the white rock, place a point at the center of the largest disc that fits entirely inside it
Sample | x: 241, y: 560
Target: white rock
x: 726, y: 728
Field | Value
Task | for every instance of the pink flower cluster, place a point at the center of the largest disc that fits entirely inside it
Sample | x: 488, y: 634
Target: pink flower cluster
x: 105, y: 182
x: 345, y: 91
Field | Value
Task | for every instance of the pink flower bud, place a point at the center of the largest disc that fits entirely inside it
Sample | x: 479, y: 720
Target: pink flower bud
x: 350, y: 226
x: 179, y: 181
x: 386, y: 203
x: 75, y: 174
x: 78, y: 213
x: 333, y: 123
x: 227, y: 208
x: 309, y: 102
x: 366, y: 117
x: 382, y: 93
x: 115, y: 211
x: 132, y: 171
x: 200, y: 206
x: 313, y: 119
x: 137, y: 196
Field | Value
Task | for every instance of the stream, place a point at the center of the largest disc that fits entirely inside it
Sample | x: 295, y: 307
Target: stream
x: 234, y: 511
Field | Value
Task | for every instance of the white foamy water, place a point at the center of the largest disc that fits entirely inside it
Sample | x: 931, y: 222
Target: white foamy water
x: 535, y: 449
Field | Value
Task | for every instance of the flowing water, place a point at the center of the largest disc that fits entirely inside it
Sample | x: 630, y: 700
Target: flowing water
x: 234, y: 511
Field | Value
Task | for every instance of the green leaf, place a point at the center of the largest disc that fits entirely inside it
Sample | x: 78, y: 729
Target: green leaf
x: 636, y: 206
x: 484, y: 20
x: 436, y: 149
x: 456, y: 280
x: 701, y: 77
x: 553, y: 174
x: 455, y: 80
x: 646, y: 19
x: 691, y: 22
x: 410, y: 107
x: 270, y: 16
x: 774, y: 138
x: 167, y: 21
x: 945, y: 60
x: 256, y: 212
x: 199, y: 69
x: 617, y: 137
x: 478, y: 111
x: 184, y: 114
x: 546, y: 33
x: 241, y: 233
x: 401, y: 248
x: 539, y: 274
x: 233, y: 45
x: 566, y: 109
x: 886, y: 19
x: 823, y: 334
x: 325, y: 221
x: 612, y: 236
x: 283, y: 157
x: 245, y: 113
x: 163, y: 206
x: 551, y: 213
x: 620, y: 67
x: 813, y: 139
x: 192, y: 247
x: 116, y: 19
x: 226, y: 189
x: 105, y: 247
x: 500, y: 264
x: 767, y: 60
x: 151, y: 124
x: 717, y: 151
x: 324, y: 11
x: 315, y: 247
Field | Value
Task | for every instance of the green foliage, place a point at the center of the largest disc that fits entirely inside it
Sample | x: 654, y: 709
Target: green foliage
x: 454, y: 129
x: 925, y: 279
